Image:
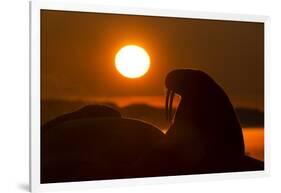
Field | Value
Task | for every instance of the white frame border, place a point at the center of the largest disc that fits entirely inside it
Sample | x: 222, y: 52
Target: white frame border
x: 34, y: 145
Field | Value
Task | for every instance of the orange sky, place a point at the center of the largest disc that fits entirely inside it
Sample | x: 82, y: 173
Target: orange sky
x: 78, y: 49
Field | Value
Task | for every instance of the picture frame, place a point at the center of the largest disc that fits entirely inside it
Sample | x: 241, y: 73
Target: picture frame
x: 35, y: 87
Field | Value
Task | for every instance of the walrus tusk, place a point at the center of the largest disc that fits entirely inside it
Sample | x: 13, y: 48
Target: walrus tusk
x: 169, y: 104
x: 166, y: 104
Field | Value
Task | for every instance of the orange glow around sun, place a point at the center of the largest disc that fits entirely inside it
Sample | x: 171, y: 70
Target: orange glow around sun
x: 132, y: 61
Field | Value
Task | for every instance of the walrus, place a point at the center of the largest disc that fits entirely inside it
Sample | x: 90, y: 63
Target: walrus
x: 205, y: 132
x: 95, y: 143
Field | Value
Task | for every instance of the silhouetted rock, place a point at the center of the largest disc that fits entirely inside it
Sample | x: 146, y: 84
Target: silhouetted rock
x: 250, y: 117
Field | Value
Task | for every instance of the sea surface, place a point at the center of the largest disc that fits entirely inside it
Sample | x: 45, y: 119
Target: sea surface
x: 254, y: 142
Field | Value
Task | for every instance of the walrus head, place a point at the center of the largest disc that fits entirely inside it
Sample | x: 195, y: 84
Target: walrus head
x: 205, y: 108
x: 188, y: 84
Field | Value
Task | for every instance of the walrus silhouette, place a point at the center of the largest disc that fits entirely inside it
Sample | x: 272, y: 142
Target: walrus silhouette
x: 79, y: 147
x: 205, y: 132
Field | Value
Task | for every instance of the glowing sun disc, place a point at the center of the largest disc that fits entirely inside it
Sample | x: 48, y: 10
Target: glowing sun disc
x: 132, y: 61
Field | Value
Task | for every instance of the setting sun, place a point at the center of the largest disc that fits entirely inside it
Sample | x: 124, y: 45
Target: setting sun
x: 132, y: 61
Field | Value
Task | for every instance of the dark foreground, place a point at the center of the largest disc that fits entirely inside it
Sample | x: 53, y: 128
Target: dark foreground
x: 93, y: 147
